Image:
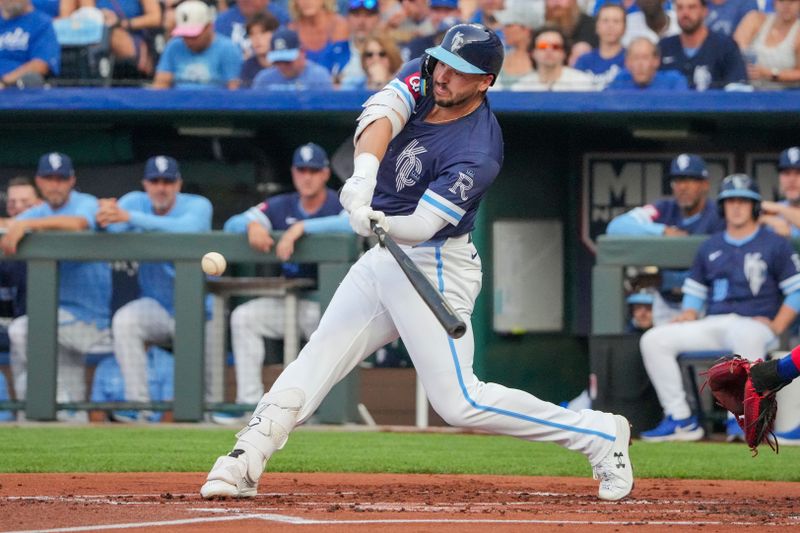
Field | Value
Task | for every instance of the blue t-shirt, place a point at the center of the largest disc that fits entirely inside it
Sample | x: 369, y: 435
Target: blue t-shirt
x: 596, y: 64
x: 333, y: 56
x: 725, y: 18
x: 664, y: 80
x: 716, y: 63
x: 278, y: 213
x: 651, y: 219
x: 48, y: 7
x: 190, y: 214
x: 109, y: 386
x: 84, y: 287
x: 446, y: 167
x: 233, y: 24
x: 214, y: 67
x: 123, y: 8
x: 27, y: 37
x: 313, y: 78
x: 749, y: 277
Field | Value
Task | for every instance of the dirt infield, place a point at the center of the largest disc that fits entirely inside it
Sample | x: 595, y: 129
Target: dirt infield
x: 394, y: 503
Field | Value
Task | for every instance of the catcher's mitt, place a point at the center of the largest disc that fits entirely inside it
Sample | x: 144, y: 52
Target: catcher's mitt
x: 732, y: 385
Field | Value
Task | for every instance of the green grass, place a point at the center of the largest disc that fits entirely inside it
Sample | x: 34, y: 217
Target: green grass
x: 180, y: 449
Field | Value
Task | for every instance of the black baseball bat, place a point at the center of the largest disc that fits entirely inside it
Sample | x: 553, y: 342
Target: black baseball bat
x: 442, y: 310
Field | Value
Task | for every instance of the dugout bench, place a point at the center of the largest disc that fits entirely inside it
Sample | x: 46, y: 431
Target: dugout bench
x: 334, y: 254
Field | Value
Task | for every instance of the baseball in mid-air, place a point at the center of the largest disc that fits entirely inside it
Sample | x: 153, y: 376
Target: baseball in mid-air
x: 213, y: 263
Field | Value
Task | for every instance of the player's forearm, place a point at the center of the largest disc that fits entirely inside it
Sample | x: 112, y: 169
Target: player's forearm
x: 185, y: 224
x: 783, y: 319
x: 415, y: 228
x: 57, y: 223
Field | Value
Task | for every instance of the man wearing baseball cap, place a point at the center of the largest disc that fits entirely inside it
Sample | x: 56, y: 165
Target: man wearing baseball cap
x: 291, y: 70
x: 150, y: 319
x: 84, y: 287
x: 196, y: 57
x: 784, y: 216
x: 313, y: 207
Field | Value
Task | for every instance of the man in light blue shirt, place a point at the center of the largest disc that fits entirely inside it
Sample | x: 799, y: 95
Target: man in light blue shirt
x: 151, y: 318
x: 28, y: 45
x: 84, y: 288
x: 196, y: 57
x: 290, y: 70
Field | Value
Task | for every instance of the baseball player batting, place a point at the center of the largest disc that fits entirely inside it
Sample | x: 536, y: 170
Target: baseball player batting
x: 427, y: 149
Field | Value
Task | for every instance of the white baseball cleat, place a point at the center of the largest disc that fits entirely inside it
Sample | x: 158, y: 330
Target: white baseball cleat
x: 228, y: 478
x: 615, y: 471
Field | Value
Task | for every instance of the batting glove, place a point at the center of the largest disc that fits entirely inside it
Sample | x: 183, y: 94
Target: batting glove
x: 358, y: 189
x: 361, y: 218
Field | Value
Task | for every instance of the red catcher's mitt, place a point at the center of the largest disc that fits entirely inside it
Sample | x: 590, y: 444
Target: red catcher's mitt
x: 732, y: 386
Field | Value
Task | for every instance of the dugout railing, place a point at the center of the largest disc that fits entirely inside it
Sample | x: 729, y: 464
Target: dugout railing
x: 333, y: 254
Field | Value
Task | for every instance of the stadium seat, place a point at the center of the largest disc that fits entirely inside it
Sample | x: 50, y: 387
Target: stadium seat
x: 85, y: 49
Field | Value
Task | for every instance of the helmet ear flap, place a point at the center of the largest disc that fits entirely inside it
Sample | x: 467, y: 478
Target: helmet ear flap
x: 427, y: 64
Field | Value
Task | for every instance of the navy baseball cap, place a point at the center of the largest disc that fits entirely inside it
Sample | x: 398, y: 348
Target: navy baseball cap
x: 368, y: 5
x: 688, y: 166
x: 162, y: 166
x: 789, y: 158
x: 55, y: 164
x: 285, y: 46
x: 450, y: 4
x: 310, y: 156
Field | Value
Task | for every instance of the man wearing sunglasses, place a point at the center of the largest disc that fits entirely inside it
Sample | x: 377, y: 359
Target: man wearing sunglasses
x: 84, y: 287
x: 150, y: 319
x: 428, y: 147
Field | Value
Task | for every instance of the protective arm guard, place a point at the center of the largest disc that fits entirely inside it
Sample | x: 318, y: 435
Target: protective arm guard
x: 386, y: 103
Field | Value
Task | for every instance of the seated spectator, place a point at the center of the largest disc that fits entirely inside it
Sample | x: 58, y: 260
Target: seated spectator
x: 363, y: 19
x: 380, y: 60
x: 771, y: 43
x: 232, y: 23
x: 196, y: 57
x: 412, y: 21
x: 651, y: 20
x: 260, y: 29
x: 127, y: 21
x: 576, y: 26
x: 84, y: 295
x: 29, y: 49
x: 606, y: 61
x: 642, y: 61
x: 707, y: 59
x: 784, y: 216
x: 290, y: 70
x: 109, y: 386
x: 520, y: 19
x: 417, y: 46
x: 311, y: 208
x: 748, y: 280
x: 641, y: 310
x: 324, y: 34
x: 150, y: 319
x: 724, y: 16
x: 486, y: 12
x: 551, y: 74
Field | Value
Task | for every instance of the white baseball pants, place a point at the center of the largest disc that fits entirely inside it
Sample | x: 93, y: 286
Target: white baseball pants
x: 661, y: 345
x: 75, y: 339
x: 135, y: 325
x: 376, y: 303
x: 253, y: 321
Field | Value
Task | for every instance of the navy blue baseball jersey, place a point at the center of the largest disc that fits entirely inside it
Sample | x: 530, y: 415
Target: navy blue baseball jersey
x: 283, y: 210
x: 748, y: 277
x: 444, y: 167
x: 715, y: 64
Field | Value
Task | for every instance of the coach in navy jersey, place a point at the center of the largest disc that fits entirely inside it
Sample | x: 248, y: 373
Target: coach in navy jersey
x: 748, y: 280
x: 311, y: 208
x: 428, y: 147
x: 709, y: 60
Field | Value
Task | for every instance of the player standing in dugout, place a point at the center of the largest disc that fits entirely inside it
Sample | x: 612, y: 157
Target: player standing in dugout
x: 427, y: 149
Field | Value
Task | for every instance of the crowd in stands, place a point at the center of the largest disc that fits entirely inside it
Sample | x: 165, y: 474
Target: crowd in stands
x: 551, y: 45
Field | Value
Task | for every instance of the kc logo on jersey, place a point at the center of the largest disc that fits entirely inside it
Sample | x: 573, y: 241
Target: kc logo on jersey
x: 755, y: 270
x: 464, y: 183
x: 408, y: 165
